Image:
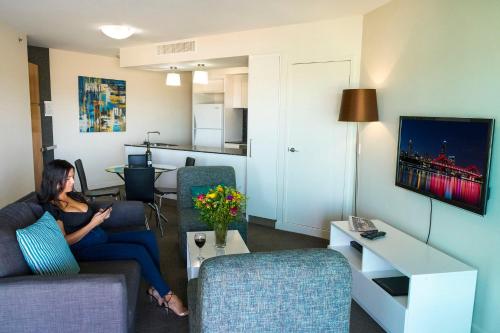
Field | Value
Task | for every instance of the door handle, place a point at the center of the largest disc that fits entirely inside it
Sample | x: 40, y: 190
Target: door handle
x: 292, y: 150
x: 250, y: 149
x: 47, y: 148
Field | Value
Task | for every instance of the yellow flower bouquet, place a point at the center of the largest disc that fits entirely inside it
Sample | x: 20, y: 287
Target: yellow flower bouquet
x: 218, y: 208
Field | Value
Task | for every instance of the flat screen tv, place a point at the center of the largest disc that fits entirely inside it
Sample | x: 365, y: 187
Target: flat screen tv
x: 446, y: 159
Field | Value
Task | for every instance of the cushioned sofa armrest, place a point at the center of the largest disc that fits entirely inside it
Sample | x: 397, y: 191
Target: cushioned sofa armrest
x: 125, y: 213
x: 76, y: 303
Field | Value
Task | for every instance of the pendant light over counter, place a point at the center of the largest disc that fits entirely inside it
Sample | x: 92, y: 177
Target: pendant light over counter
x: 200, y: 76
x: 173, y: 78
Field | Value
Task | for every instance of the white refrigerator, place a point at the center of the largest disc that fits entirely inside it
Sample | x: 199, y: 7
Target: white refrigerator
x: 208, y: 125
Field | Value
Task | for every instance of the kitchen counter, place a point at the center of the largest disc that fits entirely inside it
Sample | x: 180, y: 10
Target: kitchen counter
x: 204, y: 156
x: 199, y: 149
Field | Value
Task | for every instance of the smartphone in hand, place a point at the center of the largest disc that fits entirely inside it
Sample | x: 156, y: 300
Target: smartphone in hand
x: 107, y: 207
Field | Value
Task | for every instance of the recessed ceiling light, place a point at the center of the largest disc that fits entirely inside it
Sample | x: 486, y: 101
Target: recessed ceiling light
x: 117, y: 31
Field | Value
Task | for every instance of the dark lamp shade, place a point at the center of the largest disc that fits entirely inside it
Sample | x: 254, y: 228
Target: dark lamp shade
x: 359, y: 105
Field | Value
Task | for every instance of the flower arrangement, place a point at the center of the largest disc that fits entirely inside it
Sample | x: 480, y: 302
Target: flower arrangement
x: 218, y: 208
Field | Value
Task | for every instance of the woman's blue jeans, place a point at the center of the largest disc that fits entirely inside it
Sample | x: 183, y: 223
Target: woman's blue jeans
x: 135, y: 245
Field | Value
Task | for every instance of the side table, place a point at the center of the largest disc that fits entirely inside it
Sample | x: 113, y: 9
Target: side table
x: 234, y: 245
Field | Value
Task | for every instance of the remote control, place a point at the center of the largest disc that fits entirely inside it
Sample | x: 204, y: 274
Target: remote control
x: 374, y: 235
x: 366, y: 233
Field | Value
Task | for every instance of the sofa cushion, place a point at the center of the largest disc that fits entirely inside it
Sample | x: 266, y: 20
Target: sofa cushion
x: 45, y: 249
x: 132, y: 272
x: 11, y: 258
x: 12, y: 217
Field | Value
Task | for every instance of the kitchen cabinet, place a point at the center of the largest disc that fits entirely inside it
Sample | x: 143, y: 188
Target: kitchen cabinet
x: 213, y: 86
x: 236, y: 89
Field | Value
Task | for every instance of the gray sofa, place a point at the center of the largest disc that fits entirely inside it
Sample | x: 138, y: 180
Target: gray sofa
x: 284, y: 291
x: 101, y: 298
x: 189, y: 217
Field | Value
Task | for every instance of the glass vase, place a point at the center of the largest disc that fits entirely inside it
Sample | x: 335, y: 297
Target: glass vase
x: 220, y: 231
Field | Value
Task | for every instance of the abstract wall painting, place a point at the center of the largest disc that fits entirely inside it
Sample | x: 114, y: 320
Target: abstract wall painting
x: 102, y: 105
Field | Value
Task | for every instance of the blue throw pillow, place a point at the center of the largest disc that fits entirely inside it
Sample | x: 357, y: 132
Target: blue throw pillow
x: 197, y: 190
x: 45, y: 249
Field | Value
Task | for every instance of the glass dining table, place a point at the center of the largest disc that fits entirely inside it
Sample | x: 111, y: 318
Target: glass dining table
x: 159, y: 169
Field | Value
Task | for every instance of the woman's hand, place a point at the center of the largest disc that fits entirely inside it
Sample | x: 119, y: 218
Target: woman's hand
x: 100, y: 216
x: 97, y: 219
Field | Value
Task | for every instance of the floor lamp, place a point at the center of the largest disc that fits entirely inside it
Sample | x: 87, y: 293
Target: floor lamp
x: 358, y: 105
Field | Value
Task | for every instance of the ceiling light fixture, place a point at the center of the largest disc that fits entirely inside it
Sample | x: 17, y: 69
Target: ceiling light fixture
x: 117, y: 31
x: 200, y: 76
x: 173, y: 79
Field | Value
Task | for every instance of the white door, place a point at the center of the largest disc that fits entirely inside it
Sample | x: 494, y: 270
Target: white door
x: 263, y: 109
x: 316, y: 144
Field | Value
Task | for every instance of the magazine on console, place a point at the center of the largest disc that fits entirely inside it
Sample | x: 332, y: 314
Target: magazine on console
x: 360, y: 224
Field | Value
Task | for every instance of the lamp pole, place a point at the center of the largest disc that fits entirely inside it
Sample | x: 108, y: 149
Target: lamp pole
x: 358, y: 105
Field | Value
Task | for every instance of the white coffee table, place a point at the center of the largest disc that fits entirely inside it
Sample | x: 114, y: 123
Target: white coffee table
x: 234, y: 245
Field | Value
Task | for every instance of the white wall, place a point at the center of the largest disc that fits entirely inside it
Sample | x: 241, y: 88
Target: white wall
x: 16, y: 166
x: 434, y: 58
x: 316, y: 41
x: 328, y: 40
x: 151, y: 106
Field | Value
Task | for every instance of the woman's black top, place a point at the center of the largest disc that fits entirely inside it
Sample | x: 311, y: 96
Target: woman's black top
x: 74, y: 221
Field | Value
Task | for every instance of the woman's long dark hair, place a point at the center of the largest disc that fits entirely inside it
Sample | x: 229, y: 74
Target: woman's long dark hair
x: 53, y: 181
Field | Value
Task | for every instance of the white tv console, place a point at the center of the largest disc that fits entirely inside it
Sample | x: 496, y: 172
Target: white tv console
x: 441, y: 291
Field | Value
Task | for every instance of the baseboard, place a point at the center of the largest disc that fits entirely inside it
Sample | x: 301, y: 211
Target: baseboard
x: 107, y: 184
x: 302, y: 229
x: 262, y: 221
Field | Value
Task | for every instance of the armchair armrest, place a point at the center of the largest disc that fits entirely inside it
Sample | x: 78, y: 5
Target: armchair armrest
x: 125, y: 213
x: 71, y: 303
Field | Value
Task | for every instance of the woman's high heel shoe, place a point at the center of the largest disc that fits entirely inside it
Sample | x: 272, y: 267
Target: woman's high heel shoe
x: 153, y: 294
x: 169, y: 305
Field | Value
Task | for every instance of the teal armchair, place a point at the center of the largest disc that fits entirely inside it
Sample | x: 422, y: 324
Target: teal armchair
x: 189, y: 217
x: 285, y: 291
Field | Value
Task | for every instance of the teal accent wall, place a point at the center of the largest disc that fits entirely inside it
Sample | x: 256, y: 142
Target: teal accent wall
x: 434, y: 58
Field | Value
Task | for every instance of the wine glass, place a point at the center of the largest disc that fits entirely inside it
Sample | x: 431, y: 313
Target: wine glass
x: 199, y: 239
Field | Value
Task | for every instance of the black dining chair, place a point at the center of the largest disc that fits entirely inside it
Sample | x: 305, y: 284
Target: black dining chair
x: 139, y: 186
x: 162, y: 192
x: 92, y: 194
x: 137, y: 161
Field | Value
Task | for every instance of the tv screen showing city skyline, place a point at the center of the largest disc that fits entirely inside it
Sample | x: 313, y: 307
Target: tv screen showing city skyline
x: 447, y: 159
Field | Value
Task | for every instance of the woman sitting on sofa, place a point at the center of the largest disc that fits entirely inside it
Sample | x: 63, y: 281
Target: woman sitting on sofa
x: 80, y: 226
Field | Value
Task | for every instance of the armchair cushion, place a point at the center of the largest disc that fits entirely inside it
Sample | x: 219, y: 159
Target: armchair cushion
x: 45, y: 249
